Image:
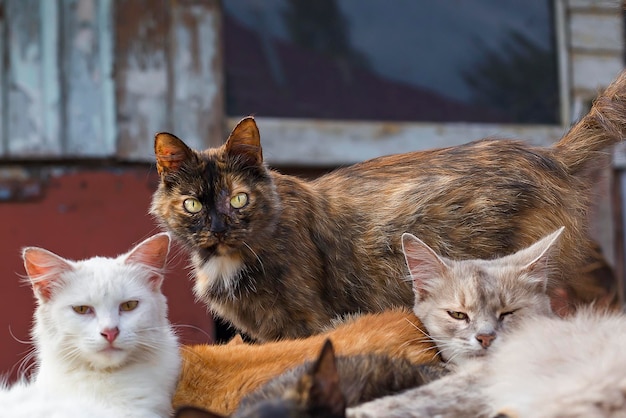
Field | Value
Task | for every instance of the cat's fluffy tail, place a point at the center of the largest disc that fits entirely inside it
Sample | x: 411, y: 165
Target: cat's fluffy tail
x: 602, y: 127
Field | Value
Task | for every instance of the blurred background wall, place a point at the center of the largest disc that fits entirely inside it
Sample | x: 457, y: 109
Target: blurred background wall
x: 85, y: 85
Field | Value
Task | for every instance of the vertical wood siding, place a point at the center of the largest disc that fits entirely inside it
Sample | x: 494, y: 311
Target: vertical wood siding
x: 168, y: 74
x: 98, y: 78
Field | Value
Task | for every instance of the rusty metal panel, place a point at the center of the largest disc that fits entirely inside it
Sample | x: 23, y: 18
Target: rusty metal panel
x: 89, y: 125
x: 32, y: 125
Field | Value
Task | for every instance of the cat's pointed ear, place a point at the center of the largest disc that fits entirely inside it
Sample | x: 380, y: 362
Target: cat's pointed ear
x: 424, y: 264
x: 152, y: 253
x: 244, y: 142
x: 44, y: 269
x: 535, y: 259
x: 170, y: 152
x: 325, y: 391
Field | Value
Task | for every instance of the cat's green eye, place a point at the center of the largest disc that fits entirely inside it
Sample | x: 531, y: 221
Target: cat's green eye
x: 82, y: 309
x: 458, y: 315
x: 192, y: 205
x: 129, y: 305
x: 239, y: 200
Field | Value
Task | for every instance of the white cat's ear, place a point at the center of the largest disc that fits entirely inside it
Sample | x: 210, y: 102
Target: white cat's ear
x: 424, y: 264
x: 44, y: 268
x: 170, y: 152
x: 244, y: 142
x: 535, y: 259
x: 152, y: 253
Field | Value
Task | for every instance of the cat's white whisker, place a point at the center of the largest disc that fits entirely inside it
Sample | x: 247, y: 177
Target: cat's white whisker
x: 256, y: 256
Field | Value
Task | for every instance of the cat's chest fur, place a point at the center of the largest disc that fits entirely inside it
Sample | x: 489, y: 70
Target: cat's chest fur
x: 130, y: 391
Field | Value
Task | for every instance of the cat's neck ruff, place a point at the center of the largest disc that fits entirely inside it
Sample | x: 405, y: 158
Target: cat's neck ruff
x: 222, y: 271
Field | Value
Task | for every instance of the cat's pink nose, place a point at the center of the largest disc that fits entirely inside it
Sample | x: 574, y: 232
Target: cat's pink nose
x: 110, y: 334
x: 486, y: 339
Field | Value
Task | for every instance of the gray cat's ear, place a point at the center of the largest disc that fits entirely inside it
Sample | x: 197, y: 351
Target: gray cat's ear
x: 535, y: 259
x: 424, y: 264
x: 244, y: 142
x: 152, y: 253
x: 170, y: 152
x: 44, y: 268
x: 325, y: 391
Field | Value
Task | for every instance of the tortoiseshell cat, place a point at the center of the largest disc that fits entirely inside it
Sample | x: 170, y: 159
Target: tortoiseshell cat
x: 279, y: 256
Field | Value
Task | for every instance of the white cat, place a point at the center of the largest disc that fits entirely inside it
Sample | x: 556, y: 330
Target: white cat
x: 561, y: 368
x: 101, y: 335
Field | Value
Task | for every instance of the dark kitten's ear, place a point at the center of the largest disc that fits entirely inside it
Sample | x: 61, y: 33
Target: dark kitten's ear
x: 170, y: 152
x: 244, y: 142
x: 325, y: 391
x: 193, y: 412
x: 424, y: 264
x: 44, y: 268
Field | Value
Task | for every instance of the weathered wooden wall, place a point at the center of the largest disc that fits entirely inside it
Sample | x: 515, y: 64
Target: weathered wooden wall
x: 98, y: 78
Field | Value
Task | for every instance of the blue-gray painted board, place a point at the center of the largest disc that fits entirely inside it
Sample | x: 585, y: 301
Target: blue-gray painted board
x: 33, y: 118
x: 87, y: 79
x: 3, y: 85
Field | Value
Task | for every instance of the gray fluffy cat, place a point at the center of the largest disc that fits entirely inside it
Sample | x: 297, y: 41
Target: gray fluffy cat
x: 466, y: 304
x: 550, y: 367
x: 468, y: 308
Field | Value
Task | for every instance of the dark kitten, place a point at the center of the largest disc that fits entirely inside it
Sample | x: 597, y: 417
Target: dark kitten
x: 279, y: 256
x: 362, y: 378
x: 325, y: 388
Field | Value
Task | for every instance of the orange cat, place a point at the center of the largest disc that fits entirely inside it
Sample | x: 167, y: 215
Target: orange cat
x: 216, y: 377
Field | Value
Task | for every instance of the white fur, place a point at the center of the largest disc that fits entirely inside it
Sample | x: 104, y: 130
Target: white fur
x: 224, y: 269
x: 138, y: 378
x: 561, y: 368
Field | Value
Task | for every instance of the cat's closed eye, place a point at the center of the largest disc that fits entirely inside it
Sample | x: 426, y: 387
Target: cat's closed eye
x: 239, y: 200
x: 461, y: 316
x: 82, y: 309
x: 192, y: 205
x: 504, y: 314
x: 128, y: 305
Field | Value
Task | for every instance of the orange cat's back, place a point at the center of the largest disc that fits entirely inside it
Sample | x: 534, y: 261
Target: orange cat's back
x: 216, y: 377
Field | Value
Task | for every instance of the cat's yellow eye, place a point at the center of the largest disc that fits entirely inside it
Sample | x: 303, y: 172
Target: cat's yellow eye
x: 192, y: 205
x: 239, y: 200
x: 129, y: 305
x: 82, y: 309
x: 458, y: 315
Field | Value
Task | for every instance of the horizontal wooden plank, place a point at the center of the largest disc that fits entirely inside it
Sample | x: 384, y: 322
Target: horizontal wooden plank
x: 322, y: 143
x: 593, y: 5
x: 591, y: 72
x: 593, y: 31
